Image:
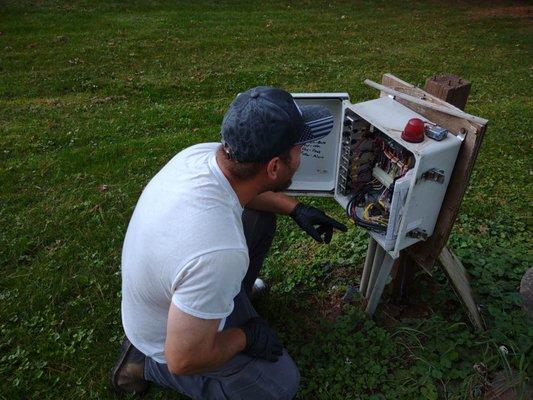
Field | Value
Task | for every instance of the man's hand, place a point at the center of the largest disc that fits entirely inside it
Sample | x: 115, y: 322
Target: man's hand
x: 261, y: 341
x: 307, y: 217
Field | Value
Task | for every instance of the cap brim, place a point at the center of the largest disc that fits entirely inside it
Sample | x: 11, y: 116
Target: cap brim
x: 318, y: 123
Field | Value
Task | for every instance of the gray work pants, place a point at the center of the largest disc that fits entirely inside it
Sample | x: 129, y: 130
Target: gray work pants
x: 242, y: 377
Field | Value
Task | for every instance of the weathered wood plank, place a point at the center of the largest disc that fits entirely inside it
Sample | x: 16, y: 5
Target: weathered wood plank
x: 426, y: 104
x: 457, y: 275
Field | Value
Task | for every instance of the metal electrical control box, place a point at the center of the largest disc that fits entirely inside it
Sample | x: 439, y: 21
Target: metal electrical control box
x: 391, y: 187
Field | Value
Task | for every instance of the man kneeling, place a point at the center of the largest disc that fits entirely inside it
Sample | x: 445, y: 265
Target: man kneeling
x: 195, y: 246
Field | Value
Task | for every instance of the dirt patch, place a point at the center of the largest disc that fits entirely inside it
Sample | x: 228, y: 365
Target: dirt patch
x: 518, y: 12
x: 334, y: 308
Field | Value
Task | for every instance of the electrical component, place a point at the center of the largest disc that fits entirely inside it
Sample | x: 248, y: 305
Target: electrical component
x: 371, y: 164
x: 413, y: 131
x: 385, y: 179
x: 436, y: 132
x: 392, y: 187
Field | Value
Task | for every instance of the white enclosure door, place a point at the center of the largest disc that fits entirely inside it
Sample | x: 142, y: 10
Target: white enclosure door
x: 317, y: 173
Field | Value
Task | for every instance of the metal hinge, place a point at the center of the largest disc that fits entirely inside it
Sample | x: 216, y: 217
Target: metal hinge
x: 417, y: 234
x: 433, y: 174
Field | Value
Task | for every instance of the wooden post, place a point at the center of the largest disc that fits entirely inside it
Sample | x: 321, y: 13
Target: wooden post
x: 402, y: 278
x: 383, y: 272
x: 450, y: 88
x: 455, y: 91
x: 371, y: 252
x: 376, y: 264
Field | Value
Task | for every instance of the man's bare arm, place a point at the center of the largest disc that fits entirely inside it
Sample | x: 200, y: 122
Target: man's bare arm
x: 273, y: 202
x: 194, y: 345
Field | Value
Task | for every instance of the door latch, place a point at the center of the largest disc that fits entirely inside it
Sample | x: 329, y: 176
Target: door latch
x: 433, y: 174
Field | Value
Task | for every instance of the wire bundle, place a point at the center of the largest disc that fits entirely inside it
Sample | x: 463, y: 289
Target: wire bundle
x: 374, y: 215
x: 372, y: 194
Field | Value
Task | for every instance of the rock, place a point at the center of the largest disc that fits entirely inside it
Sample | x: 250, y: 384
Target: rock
x: 61, y: 39
x: 526, y: 292
x: 351, y: 291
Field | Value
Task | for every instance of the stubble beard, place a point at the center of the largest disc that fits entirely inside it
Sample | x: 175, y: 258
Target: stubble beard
x: 282, y: 186
x: 285, y: 184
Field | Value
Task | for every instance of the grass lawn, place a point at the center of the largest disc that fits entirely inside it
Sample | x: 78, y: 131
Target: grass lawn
x: 96, y: 96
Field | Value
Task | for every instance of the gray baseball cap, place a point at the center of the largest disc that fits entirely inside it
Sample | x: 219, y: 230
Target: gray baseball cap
x: 264, y: 122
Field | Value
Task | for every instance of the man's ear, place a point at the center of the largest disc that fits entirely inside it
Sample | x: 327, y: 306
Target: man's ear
x: 272, y: 168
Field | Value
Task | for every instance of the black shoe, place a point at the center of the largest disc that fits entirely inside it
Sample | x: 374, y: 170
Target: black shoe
x: 127, y: 376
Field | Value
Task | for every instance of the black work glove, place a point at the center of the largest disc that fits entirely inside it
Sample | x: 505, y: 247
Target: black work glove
x: 261, y: 341
x: 308, y: 217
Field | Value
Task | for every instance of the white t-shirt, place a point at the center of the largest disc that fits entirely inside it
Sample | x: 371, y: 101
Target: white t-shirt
x: 185, y: 244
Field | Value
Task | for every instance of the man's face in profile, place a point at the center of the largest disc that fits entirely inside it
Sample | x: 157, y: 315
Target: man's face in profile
x: 288, y: 169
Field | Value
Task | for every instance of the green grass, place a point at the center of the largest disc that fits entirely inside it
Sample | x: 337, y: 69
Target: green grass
x: 104, y: 93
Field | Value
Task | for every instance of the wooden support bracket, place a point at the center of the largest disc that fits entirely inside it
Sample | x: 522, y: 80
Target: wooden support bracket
x: 458, y: 277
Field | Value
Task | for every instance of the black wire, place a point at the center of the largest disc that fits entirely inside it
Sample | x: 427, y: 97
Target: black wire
x: 357, y: 200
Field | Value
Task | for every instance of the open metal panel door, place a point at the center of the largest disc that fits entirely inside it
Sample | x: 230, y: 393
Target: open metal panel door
x: 317, y: 173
